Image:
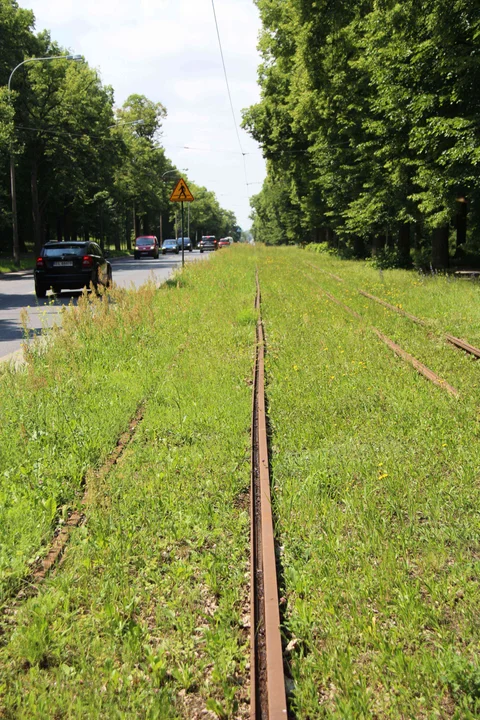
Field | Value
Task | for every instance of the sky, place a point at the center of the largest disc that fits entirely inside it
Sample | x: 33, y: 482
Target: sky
x: 168, y: 50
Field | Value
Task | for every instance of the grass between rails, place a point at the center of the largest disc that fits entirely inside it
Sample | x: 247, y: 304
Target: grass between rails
x: 63, y: 413
x: 426, y: 343
x: 144, y: 618
x: 454, y: 366
x: 451, y: 304
x: 376, y: 495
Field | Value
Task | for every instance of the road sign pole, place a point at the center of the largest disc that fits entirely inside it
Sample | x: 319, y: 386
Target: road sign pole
x: 183, y: 239
x: 180, y: 194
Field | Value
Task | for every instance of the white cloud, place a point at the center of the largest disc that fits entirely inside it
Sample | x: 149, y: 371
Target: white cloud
x: 168, y: 50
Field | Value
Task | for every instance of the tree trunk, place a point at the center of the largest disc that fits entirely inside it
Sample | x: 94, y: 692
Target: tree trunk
x: 59, y: 229
x: 404, y: 245
x: 129, y: 243
x: 358, y: 246
x: 378, y: 243
x: 418, y: 235
x: 461, y: 224
x: 440, y: 256
x: 67, y: 224
x: 37, y: 220
x: 330, y: 237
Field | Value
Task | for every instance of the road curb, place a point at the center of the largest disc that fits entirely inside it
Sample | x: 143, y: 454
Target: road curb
x: 21, y: 273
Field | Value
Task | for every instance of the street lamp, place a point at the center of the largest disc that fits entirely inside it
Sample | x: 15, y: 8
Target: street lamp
x: 16, y: 248
x: 175, y: 170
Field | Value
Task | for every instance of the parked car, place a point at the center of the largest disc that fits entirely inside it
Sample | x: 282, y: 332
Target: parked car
x: 208, y: 242
x: 223, y: 242
x: 170, y: 245
x: 71, y: 265
x: 187, y: 244
x: 146, y: 246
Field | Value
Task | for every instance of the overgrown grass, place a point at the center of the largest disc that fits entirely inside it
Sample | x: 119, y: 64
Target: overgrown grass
x: 377, y: 495
x: 452, y: 304
x: 144, y: 619
x: 63, y: 412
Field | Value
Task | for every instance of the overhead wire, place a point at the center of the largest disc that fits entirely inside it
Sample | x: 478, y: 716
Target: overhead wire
x: 230, y: 96
x: 52, y: 131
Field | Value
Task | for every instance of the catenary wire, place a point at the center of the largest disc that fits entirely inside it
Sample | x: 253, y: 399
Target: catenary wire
x: 229, y: 94
x: 181, y: 147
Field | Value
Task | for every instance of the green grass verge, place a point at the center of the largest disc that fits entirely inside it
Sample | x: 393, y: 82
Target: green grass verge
x: 377, y: 495
x: 7, y: 264
x: 376, y: 498
x: 451, y: 304
x: 145, y: 616
x: 63, y: 413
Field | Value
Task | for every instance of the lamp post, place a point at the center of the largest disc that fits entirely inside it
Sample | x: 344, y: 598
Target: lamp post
x: 16, y: 247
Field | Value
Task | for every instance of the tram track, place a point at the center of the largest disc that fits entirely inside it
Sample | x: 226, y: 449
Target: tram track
x: 267, y: 680
x: 400, y: 352
x: 57, y: 548
x: 457, y: 342
x: 451, y: 339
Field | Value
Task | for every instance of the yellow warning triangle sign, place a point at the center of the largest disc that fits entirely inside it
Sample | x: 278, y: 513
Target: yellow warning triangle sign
x: 181, y: 193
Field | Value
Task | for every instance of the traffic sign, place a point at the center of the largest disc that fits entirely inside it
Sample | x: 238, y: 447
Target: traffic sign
x: 181, y: 193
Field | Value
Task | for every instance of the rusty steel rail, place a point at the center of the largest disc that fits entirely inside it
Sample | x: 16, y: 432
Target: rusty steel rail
x: 420, y: 367
x: 335, y: 277
x: 342, y: 305
x: 267, y: 687
x: 462, y: 345
x: 396, y: 309
x: 58, y: 546
x: 457, y: 342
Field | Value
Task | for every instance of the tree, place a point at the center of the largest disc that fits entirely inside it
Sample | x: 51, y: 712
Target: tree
x: 82, y: 168
x: 368, y: 119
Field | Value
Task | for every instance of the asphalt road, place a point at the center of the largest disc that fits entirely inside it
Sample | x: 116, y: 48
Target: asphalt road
x: 17, y: 293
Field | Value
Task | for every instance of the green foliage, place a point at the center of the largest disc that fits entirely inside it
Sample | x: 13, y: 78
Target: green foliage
x: 83, y: 169
x: 367, y: 118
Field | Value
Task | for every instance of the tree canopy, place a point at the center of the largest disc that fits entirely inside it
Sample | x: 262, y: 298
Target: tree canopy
x: 370, y: 124
x: 84, y: 168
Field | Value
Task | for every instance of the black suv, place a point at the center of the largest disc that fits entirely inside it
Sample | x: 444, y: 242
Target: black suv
x: 71, y: 265
x: 208, y: 242
x: 187, y: 243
